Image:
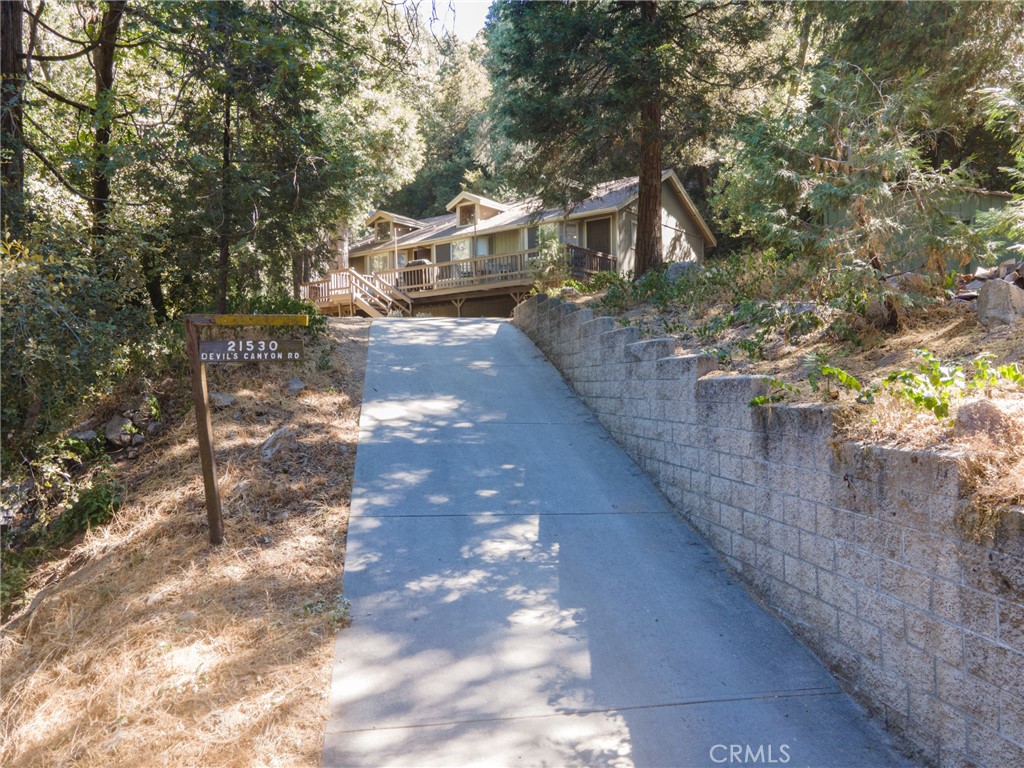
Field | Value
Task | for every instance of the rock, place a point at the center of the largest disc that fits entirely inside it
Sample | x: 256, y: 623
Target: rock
x: 295, y: 385
x: 568, y: 290
x: 154, y: 428
x: 677, y: 269
x: 133, y: 453
x: 984, y: 273
x: 219, y: 400
x: 981, y: 416
x: 153, y: 599
x: 118, y: 431
x: 974, y: 285
x: 1000, y: 303
x: 282, y: 442
x: 138, y: 439
x: 187, y: 617
x: 85, y: 435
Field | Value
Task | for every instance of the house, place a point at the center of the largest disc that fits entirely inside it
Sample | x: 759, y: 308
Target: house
x: 480, y: 257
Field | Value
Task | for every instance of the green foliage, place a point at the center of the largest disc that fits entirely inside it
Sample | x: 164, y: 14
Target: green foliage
x: 63, y: 338
x: 932, y: 386
x: 777, y: 390
x: 282, y: 304
x: 93, y: 505
x: 570, y: 80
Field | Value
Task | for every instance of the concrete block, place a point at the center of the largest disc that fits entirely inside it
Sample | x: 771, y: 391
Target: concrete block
x: 975, y: 611
x: 744, y: 549
x: 878, y: 536
x: 618, y: 337
x: 941, y: 719
x: 785, y: 538
x: 801, y: 575
x: 995, y: 664
x: 990, y: 750
x: 968, y: 694
x: 883, y: 611
x: 1011, y: 624
x: 858, y: 565
x: 799, y: 513
x: 908, y: 586
x: 883, y: 687
x: 689, y: 367
x: 596, y: 327
x: 836, y: 524
x: 756, y: 527
x: 818, y: 550
x: 860, y: 636
x: 731, y: 389
x: 652, y: 349
x: 838, y: 591
x: 935, y: 554
x: 1011, y: 716
x: 930, y: 634
x: 820, y: 614
x: 912, y: 664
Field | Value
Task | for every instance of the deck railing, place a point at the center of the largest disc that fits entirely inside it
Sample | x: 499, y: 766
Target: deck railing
x: 462, y: 273
x: 392, y: 290
x: 584, y: 262
x: 327, y: 290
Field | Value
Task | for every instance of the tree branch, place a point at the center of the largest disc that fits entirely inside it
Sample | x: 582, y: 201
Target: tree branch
x: 63, y: 99
x: 52, y: 169
x: 66, y: 56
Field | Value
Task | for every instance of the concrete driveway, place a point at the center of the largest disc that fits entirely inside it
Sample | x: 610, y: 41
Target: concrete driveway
x: 522, y: 595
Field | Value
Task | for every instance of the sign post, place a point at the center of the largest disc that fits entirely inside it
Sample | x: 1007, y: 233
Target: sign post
x: 228, y: 351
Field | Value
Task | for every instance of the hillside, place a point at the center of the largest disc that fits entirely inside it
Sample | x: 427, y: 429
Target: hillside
x: 144, y: 645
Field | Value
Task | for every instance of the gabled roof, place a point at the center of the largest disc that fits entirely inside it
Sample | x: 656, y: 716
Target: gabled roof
x: 478, y: 199
x: 607, y: 197
x: 395, y: 217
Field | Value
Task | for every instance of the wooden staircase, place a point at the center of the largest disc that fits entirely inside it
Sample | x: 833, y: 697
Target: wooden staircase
x: 378, y: 298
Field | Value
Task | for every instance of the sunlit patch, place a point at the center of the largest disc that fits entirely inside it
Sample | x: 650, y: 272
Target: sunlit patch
x: 456, y: 584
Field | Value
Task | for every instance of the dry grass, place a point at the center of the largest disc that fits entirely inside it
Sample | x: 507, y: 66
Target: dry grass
x: 153, y: 648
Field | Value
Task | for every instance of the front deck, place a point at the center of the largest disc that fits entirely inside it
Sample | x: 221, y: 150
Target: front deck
x: 400, y: 291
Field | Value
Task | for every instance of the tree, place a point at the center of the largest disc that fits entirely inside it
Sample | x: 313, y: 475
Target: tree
x: 861, y: 157
x: 590, y: 90
x: 453, y: 129
x: 12, y: 67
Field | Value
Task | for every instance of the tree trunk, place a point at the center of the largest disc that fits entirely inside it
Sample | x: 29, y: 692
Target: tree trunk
x: 12, y: 165
x: 648, y: 218
x: 341, y: 244
x: 224, y: 257
x: 154, y: 286
x: 103, y: 63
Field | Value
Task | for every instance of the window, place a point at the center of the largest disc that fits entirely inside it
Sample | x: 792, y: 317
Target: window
x: 383, y: 230
x: 443, y: 252
x: 572, y: 233
x: 485, y: 245
x: 380, y: 261
x: 467, y: 215
x: 532, y: 238
x: 403, y: 258
x: 460, y: 250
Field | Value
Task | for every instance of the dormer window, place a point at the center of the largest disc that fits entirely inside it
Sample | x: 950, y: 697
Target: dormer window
x: 467, y: 215
x: 383, y: 230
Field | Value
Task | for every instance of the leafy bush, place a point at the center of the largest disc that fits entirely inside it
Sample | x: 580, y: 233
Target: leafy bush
x: 65, y: 339
x: 282, y: 304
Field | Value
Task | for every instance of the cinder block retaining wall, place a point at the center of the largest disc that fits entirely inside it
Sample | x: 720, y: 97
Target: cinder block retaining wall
x: 856, y: 547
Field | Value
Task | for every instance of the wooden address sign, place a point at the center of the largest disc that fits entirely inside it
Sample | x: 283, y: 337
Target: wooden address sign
x: 250, y: 351
x: 200, y: 353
